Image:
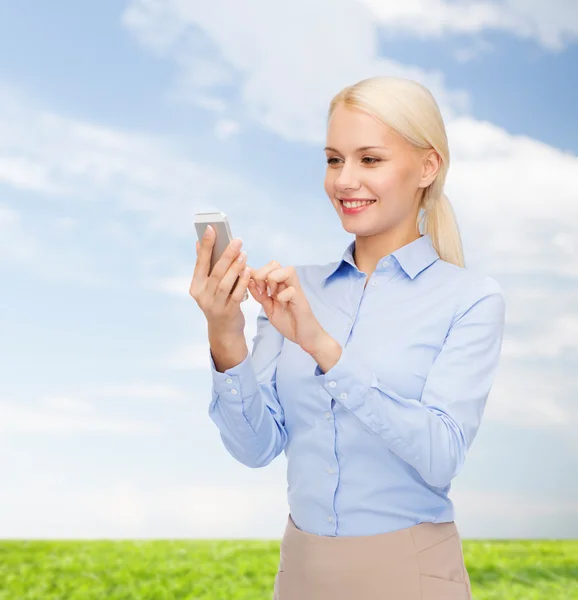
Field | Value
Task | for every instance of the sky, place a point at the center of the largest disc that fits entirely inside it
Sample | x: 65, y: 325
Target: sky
x: 120, y: 120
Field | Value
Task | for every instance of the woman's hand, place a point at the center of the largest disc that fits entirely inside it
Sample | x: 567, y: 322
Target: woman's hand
x: 213, y: 292
x: 287, y: 307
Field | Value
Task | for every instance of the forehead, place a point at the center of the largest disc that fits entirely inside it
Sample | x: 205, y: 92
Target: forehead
x: 352, y: 127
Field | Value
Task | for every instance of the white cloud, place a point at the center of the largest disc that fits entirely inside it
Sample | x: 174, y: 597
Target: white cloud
x: 226, y: 128
x: 127, y: 510
x: 532, y: 401
x: 22, y: 173
x: 139, y: 391
x: 515, y: 200
x: 471, y: 50
x: 203, y: 510
x: 50, y: 154
x: 177, y: 285
x: 16, y: 244
x: 286, y: 64
x: 554, y: 24
x: 553, y: 338
x: 64, y: 416
x: 195, y: 355
x: 67, y: 404
x: 480, y: 514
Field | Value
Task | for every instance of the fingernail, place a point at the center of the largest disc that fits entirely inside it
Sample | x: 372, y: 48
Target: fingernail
x: 237, y: 243
x: 208, y: 231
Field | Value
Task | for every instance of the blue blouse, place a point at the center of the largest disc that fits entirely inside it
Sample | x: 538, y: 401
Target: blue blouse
x: 373, y: 444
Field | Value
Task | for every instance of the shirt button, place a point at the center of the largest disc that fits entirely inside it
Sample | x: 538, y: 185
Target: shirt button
x: 344, y: 395
x: 385, y: 264
x: 330, y: 470
x: 332, y: 384
x: 229, y: 380
x: 233, y: 391
x: 330, y: 519
x: 374, y: 283
x: 328, y: 415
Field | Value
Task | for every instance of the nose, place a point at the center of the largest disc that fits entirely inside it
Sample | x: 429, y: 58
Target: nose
x: 347, y: 179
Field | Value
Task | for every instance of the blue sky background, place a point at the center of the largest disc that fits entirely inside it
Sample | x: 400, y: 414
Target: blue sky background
x: 119, y: 121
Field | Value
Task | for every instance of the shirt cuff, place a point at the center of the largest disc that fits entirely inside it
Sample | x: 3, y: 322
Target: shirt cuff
x: 348, y: 381
x: 238, y: 381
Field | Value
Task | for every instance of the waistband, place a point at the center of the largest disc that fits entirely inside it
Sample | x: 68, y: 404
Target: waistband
x: 404, y: 542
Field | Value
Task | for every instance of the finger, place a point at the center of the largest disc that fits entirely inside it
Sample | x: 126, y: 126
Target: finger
x: 204, y: 254
x: 277, y: 296
x: 260, y: 275
x: 221, y: 267
x: 241, y: 287
x: 261, y: 298
x: 252, y: 287
x: 286, y: 296
x: 225, y: 286
x: 274, y: 278
x: 201, y: 270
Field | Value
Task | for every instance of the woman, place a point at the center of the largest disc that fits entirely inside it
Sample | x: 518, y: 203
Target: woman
x: 371, y: 372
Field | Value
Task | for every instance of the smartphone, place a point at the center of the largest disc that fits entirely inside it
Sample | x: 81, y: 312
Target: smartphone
x: 220, y: 223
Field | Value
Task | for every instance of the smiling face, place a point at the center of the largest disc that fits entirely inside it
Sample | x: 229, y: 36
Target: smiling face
x: 367, y: 160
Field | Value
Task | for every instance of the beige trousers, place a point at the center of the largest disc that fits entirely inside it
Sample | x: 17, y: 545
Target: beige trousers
x: 422, y: 562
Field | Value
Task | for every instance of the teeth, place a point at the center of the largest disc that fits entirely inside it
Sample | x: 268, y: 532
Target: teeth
x: 356, y: 204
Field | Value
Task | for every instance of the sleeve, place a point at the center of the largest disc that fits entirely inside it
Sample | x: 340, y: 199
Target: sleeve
x: 245, y: 405
x: 434, y: 432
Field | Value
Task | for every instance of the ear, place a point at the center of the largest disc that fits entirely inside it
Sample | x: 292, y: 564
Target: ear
x: 431, y: 163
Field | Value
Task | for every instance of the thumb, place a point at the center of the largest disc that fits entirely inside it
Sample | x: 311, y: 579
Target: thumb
x: 298, y: 301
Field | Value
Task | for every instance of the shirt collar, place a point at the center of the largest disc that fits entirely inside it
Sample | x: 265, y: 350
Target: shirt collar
x: 412, y: 258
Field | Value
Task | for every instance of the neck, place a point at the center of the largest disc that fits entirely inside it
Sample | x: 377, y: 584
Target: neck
x: 369, y: 250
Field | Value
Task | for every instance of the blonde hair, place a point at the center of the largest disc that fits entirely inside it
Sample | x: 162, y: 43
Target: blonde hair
x: 410, y: 109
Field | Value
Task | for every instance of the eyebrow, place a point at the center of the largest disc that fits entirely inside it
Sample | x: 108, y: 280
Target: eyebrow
x: 361, y: 149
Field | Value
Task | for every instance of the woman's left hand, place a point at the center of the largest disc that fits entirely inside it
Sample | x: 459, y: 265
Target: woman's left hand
x: 287, y: 307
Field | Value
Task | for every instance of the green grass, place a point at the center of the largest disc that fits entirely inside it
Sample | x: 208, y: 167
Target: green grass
x: 236, y: 570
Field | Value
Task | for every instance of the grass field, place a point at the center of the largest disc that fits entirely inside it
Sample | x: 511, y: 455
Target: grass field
x: 235, y: 570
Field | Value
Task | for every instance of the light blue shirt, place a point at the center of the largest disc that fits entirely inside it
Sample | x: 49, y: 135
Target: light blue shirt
x: 373, y: 444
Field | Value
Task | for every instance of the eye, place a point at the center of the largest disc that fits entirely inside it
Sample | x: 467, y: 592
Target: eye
x: 369, y: 160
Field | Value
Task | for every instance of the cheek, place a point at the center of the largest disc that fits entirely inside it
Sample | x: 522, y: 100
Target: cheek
x: 328, y: 184
x: 392, y: 180
x: 382, y: 183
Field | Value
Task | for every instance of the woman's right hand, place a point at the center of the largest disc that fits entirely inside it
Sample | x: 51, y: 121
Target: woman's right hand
x: 213, y: 292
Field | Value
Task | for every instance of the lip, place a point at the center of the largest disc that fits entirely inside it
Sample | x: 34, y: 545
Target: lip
x: 358, y: 209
